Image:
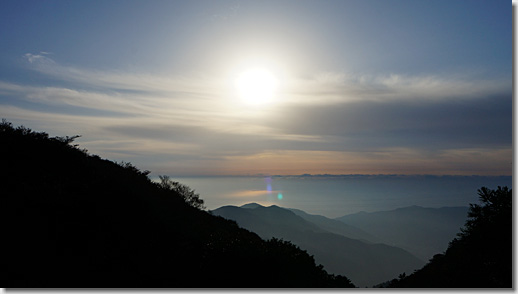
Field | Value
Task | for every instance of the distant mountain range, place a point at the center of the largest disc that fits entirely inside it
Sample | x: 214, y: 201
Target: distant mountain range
x: 422, y: 231
x: 337, y: 227
x: 341, y: 248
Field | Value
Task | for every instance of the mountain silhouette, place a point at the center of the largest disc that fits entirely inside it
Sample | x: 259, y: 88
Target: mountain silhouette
x: 337, y: 227
x: 76, y: 220
x: 365, y: 263
x: 251, y: 205
x: 481, y: 256
x: 422, y: 231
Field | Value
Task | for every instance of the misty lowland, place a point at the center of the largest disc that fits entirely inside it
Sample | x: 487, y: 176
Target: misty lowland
x: 75, y: 219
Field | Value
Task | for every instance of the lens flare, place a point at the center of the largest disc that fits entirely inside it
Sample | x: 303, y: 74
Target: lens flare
x: 268, y: 181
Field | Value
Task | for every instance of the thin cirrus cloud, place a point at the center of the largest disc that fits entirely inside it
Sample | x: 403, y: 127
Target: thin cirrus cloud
x: 327, y: 123
x: 39, y: 58
x: 332, y: 88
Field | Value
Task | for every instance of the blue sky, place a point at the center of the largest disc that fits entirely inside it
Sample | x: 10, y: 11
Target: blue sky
x: 377, y: 87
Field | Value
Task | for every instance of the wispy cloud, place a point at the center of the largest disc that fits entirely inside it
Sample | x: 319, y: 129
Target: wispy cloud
x: 326, y: 123
x: 336, y: 88
x: 39, y: 59
x: 321, y: 88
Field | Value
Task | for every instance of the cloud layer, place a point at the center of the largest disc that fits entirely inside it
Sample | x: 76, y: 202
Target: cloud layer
x: 324, y: 123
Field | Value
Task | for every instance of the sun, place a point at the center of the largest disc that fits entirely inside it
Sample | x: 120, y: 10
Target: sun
x: 256, y: 86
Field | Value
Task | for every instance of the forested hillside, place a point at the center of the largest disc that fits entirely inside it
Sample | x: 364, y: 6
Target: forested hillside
x: 76, y: 220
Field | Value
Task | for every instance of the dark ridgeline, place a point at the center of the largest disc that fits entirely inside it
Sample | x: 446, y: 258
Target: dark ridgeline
x: 332, y: 243
x: 76, y: 220
x: 480, y: 257
x: 423, y: 231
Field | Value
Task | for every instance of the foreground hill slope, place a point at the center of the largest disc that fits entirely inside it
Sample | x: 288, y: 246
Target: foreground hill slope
x: 76, y: 220
x: 366, y: 264
x: 421, y: 230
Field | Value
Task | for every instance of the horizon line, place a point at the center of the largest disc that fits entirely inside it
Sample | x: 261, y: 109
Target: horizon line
x: 330, y: 175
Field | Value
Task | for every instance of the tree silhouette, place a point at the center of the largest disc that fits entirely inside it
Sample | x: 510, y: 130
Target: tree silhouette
x: 189, y: 195
x: 496, y: 208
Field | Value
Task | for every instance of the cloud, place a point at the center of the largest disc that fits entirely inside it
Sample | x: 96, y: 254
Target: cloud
x: 325, y: 123
x: 429, y: 124
x: 319, y: 89
x: 39, y: 59
x: 489, y: 161
x: 337, y: 88
x: 253, y: 194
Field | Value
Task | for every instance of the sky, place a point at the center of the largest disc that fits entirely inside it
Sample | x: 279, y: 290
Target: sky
x: 360, y: 87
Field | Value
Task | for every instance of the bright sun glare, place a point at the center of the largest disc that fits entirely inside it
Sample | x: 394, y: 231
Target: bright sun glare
x: 256, y: 86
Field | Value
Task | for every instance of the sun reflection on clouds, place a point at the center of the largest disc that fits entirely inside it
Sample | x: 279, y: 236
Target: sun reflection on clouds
x: 252, y: 193
x: 267, y: 197
x: 268, y: 194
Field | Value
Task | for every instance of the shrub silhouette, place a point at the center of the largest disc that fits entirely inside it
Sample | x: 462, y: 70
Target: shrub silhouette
x: 76, y: 220
x: 188, y: 194
x: 481, y: 256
